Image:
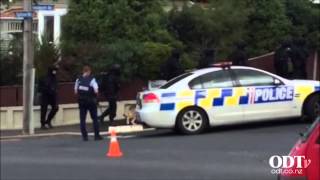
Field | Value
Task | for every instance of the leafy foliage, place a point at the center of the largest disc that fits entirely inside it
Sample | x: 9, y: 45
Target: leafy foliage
x: 106, y: 32
x: 11, y: 62
x: 304, y: 17
x: 217, y: 26
x: 46, y: 55
x: 267, y: 26
x: 140, y: 34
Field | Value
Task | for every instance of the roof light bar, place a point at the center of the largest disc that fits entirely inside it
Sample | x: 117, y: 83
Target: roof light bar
x: 223, y: 65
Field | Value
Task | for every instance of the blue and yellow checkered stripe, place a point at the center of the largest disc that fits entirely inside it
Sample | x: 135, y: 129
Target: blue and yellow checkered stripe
x: 202, y: 98
x: 223, y: 97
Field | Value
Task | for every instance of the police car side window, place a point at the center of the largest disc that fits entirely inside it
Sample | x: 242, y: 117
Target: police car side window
x: 248, y: 77
x: 217, y: 79
x: 195, y: 83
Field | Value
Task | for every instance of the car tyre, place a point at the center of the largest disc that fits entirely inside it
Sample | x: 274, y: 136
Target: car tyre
x: 192, y: 120
x: 312, y: 107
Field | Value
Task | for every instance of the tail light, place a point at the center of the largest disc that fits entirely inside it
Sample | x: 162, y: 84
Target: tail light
x: 150, y: 98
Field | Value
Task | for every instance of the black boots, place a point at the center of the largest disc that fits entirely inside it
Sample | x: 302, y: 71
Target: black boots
x: 43, y: 126
x: 98, y: 138
x: 46, y: 126
x: 50, y: 125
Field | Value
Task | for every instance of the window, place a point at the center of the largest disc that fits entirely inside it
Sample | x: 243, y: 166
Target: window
x: 217, y: 79
x: 49, y: 28
x: 175, y: 80
x: 248, y: 77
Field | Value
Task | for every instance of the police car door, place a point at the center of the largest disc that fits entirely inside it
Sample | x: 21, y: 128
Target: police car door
x: 266, y: 96
x: 215, y: 92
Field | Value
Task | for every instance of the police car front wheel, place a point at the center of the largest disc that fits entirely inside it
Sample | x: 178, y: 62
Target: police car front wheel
x: 312, y: 107
x: 192, y: 121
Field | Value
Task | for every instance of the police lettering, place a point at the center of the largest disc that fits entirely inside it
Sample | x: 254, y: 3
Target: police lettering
x: 273, y: 94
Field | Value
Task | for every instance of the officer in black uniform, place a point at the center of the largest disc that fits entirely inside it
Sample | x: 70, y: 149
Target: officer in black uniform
x: 110, y: 88
x: 86, y: 88
x: 299, y: 57
x: 282, y: 60
x: 207, y: 58
x: 239, y: 56
x: 48, y: 90
x: 172, y: 67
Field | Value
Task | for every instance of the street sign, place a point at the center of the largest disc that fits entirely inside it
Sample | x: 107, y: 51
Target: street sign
x: 24, y: 14
x: 43, y: 7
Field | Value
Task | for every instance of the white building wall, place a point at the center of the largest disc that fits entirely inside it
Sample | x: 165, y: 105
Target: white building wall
x: 57, y: 14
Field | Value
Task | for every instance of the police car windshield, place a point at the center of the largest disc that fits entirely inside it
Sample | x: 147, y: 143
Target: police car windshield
x: 175, y: 80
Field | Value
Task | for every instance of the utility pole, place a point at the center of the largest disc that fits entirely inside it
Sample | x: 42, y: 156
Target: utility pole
x: 27, y: 69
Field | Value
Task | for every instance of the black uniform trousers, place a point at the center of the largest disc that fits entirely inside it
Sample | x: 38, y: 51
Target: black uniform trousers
x: 45, y: 101
x: 92, y: 108
x: 111, y: 110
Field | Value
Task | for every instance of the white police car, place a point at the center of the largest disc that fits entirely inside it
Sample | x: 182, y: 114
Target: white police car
x: 226, y: 94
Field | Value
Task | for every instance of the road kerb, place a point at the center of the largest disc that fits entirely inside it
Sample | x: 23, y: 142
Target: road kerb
x: 69, y: 134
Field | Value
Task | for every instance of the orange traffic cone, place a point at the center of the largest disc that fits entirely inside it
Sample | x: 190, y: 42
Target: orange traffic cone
x: 114, y: 147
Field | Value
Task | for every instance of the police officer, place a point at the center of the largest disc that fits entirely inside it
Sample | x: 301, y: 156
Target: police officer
x: 86, y: 88
x: 172, y: 67
x: 239, y: 56
x: 282, y: 60
x: 207, y: 58
x: 48, y: 90
x: 110, y: 87
x: 299, y: 58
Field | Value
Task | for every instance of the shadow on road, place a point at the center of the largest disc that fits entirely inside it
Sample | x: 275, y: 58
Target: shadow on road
x: 160, y: 133
x: 257, y: 125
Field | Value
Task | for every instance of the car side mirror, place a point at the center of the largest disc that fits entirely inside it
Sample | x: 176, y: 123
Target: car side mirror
x: 277, y: 82
x: 301, y: 134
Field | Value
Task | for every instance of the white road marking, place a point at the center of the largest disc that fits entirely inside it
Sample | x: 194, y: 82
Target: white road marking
x: 9, y: 140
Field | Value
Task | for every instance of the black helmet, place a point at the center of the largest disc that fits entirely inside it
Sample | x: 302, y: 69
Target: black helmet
x: 115, y: 68
x: 51, y: 69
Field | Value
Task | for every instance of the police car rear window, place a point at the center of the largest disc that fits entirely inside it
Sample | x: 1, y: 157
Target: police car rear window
x: 175, y: 80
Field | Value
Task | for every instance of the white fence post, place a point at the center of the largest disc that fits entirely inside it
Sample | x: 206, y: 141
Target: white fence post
x: 31, y: 122
x: 315, y: 65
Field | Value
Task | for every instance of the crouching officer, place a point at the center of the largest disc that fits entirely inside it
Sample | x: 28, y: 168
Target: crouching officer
x: 86, y: 88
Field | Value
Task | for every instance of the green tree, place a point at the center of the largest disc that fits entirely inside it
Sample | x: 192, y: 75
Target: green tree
x: 11, y: 62
x: 305, y: 17
x: 46, y: 54
x: 267, y: 26
x: 218, y: 25
x: 104, y: 32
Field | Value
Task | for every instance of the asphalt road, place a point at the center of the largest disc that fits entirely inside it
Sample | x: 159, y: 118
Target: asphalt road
x: 239, y: 152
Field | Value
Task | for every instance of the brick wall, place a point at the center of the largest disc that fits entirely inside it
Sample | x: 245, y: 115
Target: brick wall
x: 12, y: 95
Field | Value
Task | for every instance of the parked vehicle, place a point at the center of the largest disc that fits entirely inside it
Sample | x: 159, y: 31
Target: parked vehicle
x: 308, y: 146
x: 226, y: 94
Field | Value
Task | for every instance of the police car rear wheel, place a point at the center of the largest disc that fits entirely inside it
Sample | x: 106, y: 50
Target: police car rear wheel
x: 312, y: 107
x: 192, y: 121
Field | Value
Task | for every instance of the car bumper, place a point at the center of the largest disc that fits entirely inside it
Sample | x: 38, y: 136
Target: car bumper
x: 156, y: 118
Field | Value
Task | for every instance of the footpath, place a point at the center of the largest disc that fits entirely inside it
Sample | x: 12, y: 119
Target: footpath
x: 119, y: 126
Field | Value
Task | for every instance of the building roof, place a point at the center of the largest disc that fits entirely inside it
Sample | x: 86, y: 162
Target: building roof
x: 11, y: 13
x: 18, y: 7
